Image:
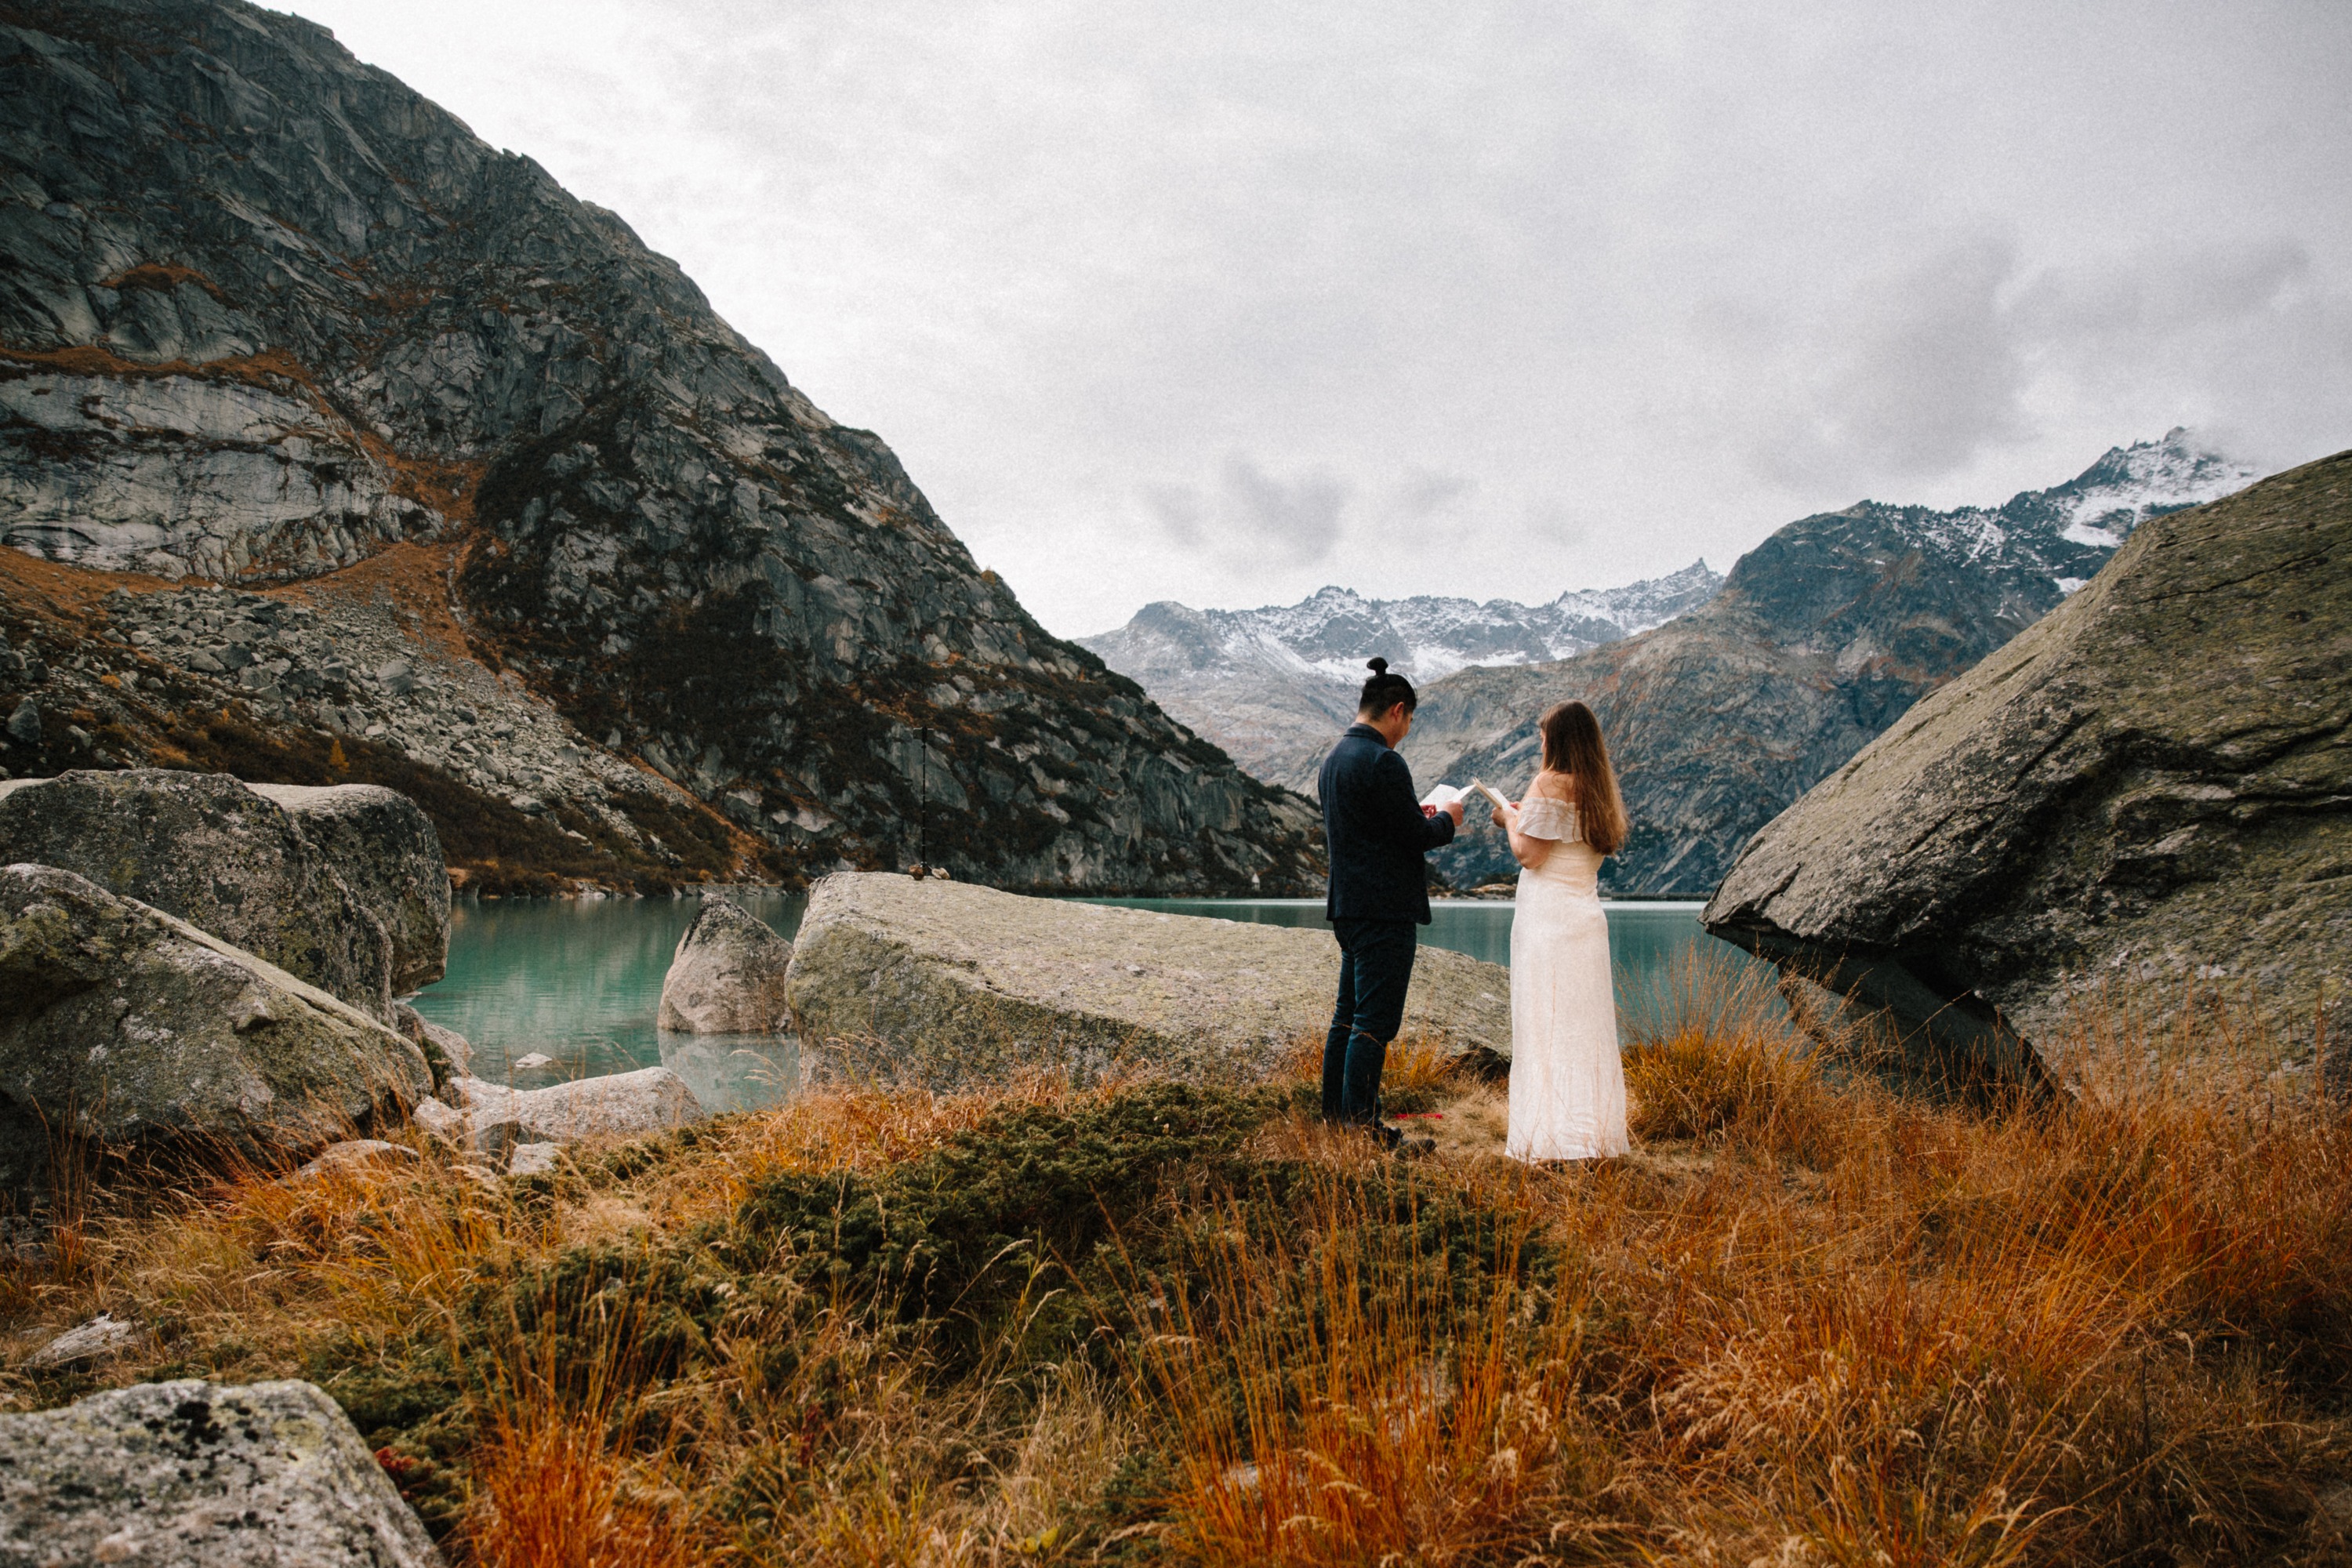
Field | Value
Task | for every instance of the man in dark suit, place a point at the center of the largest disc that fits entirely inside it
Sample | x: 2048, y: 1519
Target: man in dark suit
x: 1377, y: 832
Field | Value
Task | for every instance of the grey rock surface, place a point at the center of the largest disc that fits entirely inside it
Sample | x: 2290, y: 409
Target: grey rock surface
x: 534, y: 1159
x: 616, y: 1105
x: 2145, y: 799
x: 1822, y: 637
x: 449, y: 1053
x: 947, y: 984
x: 235, y: 861
x: 94, y: 1340
x: 485, y: 1133
x: 201, y: 1475
x: 726, y: 976
x: 384, y: 850
x: 272, y: 317
x: 132, y: 1034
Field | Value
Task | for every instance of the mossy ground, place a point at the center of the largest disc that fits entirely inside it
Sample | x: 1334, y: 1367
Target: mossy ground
x: 1164, y: 1322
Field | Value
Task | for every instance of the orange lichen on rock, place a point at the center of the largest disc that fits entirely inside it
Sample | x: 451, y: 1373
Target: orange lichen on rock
x: 163, y: 275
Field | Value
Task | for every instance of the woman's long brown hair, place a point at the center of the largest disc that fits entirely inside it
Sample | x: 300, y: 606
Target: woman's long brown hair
x: 1572, y: 745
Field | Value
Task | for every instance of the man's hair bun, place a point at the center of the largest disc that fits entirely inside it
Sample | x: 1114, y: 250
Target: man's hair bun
x: 1384, y: 691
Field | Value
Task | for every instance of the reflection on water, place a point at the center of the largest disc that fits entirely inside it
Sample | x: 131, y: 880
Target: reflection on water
x: 580, y: 982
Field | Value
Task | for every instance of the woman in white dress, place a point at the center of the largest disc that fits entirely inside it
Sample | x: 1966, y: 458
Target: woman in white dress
x: 1568, y: 1087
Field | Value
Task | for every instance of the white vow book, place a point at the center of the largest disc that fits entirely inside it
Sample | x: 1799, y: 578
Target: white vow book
x: 1445, y: 795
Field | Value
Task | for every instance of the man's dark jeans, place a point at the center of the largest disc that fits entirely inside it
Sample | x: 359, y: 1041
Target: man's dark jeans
x: 1375, y: 968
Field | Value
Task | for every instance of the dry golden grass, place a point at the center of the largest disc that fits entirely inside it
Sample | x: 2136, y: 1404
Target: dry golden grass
x: 1802, y: 1321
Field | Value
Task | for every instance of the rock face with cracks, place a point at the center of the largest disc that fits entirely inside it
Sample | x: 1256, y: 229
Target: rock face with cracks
x: 268, y: 317
x: 2144, y: 798
x: 125, y: 1033
x: 728, y: 974
x: 201, y: 1475
x: 386, y: 852
x: 946, y: 983
x: 342, y: 887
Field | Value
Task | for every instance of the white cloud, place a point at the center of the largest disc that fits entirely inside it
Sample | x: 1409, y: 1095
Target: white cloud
x: 1104, y: 274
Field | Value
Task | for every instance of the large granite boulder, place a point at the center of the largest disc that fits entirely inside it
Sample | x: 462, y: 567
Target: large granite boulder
x: 131, y: 1033
x: 728, y: 974
x: 947, y: 984
x: 201, y: 1475
x: 2146, y: 796
x: 385, y: 849
x: 342, y: 887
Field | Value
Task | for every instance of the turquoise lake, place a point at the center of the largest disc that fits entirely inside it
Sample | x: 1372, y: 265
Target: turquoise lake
x: 578, y: 980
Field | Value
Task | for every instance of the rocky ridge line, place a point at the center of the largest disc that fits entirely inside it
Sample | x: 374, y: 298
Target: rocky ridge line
x: 1271, y: 686
x: 266, y: 315
x: 1822, y: 637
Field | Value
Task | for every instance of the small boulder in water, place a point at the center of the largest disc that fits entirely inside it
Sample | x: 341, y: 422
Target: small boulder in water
x: 727, y: 976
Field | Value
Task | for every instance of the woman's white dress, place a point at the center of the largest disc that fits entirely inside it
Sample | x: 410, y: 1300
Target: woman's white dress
x: 1568, y: 1087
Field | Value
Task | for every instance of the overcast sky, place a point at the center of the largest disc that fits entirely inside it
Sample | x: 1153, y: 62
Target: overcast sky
x: 1222, y: 302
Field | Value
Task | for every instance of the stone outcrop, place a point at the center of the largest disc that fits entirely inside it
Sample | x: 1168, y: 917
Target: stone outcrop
x: 726, y: 976
x: 343, y: 887
x: 270, y: 318
x: 201, y: 1475
x: 2146, y: 796
x: 92, y: 1340
x: 1822, y: 637
x: 449, y: 1053
x: 947, y: 984
x: 386, y: 852
x: 128, y: 1034
x: 616, y: 1105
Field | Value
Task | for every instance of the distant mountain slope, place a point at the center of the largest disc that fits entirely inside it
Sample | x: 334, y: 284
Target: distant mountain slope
x: 1823, y: 636
x: 269, y: 319
x: 1271, y: 686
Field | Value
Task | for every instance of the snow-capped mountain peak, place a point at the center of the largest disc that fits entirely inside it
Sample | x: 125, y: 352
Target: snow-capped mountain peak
x: 2147, y: 479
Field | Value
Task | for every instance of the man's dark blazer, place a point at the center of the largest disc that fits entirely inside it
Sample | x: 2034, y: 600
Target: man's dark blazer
x: 1376, y: 833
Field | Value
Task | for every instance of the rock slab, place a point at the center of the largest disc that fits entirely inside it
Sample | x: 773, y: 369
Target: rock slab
x: 622, y: 1105
x: 345, y: 888
x: 728, y: 974
x: 385, y: 848
x: 2145, y: 797
x: 948, y: 983
x: 201, y: 1475
x: 131, y: 1032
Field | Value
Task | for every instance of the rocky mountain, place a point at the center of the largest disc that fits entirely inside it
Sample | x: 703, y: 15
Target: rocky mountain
x: 1272, y: 686
x: 336, y: 443
x: 2143, y: 802
x: 1822, y: 637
